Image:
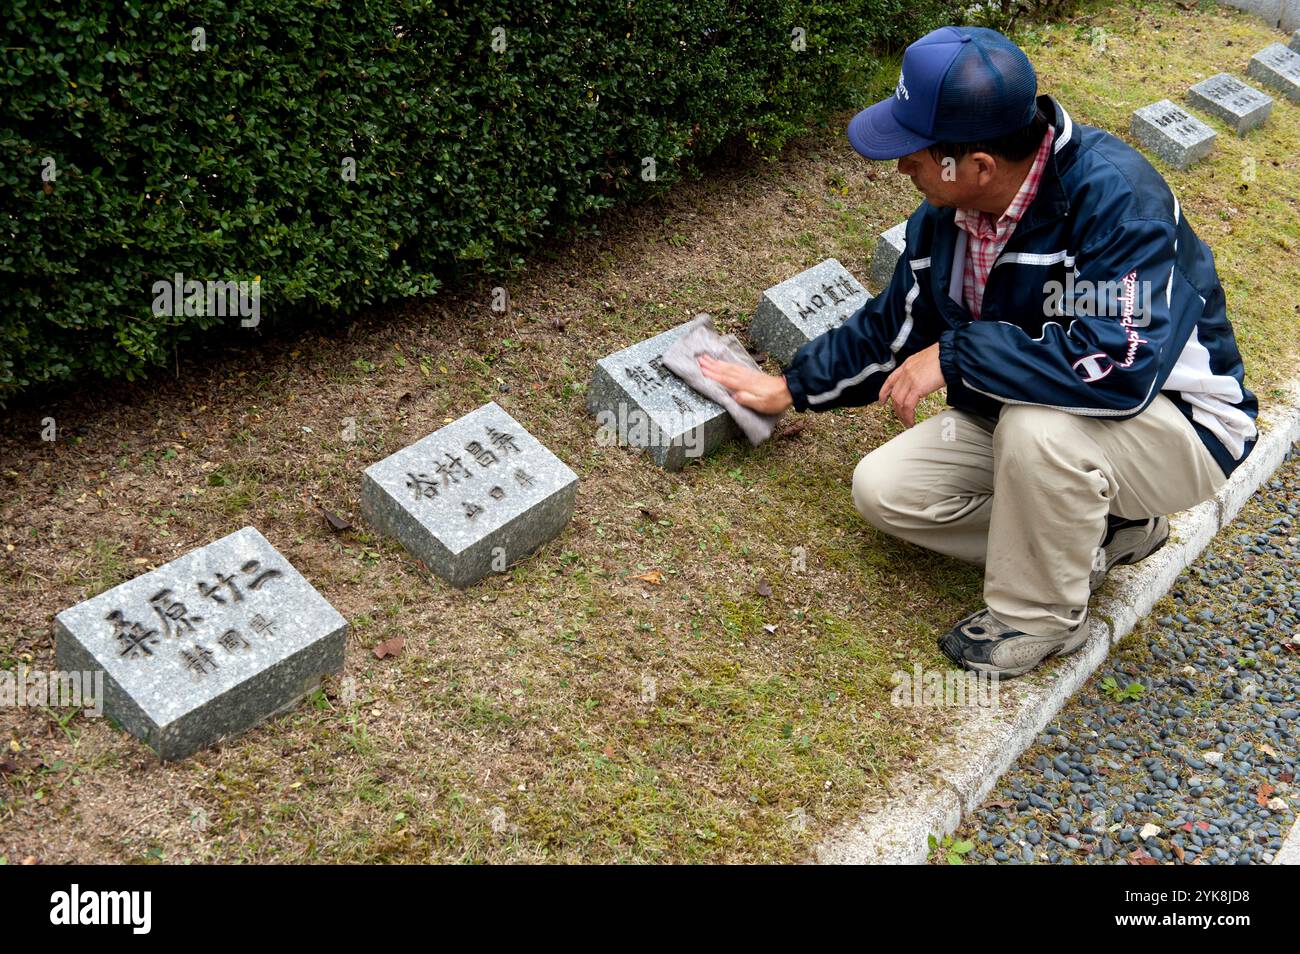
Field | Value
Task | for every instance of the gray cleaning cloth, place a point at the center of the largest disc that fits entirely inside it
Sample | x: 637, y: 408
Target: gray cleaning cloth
x: 702, y: 338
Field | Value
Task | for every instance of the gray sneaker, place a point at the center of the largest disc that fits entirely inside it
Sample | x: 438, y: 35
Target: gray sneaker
x: 1129, y: 541
x: 982, y: 643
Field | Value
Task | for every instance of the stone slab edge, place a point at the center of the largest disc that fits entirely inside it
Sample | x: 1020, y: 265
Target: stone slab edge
x: 1290, y: 852
x: 1276, y: 13
x: 934, y: 801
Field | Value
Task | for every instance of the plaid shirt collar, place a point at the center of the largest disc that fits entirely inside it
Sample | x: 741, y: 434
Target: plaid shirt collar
x: 980, y: 224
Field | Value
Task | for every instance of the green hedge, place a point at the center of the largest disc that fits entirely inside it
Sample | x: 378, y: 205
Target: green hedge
x: 226, y: 163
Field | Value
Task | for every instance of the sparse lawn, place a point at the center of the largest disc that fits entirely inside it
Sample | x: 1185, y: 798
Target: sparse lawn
x: 565, y: 710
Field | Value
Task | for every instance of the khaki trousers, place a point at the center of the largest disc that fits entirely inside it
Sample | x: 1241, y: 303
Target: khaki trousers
x: 1026, y: 496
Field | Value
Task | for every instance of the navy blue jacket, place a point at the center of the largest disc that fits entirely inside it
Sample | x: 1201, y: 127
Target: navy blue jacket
x: 1103, y: 298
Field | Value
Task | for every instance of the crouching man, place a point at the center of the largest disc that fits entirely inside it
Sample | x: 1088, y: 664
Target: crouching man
x: 1052, y: 285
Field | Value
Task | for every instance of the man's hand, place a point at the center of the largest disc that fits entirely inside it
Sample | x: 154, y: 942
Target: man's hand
x: 764, y: 393
x: 912, y: 380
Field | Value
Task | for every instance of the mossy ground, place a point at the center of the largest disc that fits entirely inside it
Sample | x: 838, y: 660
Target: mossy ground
x: 697, y: 669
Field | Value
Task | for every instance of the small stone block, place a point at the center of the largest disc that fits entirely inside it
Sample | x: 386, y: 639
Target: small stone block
x: 635, y: 397
x: 205, y: 646
x: 889, y: 249
x: 1278, y: 67
x: 1270, y: 11
x: 1174, y: 135
x: 472, y: 497
x: 802, y: 308
x: 1240, y: 106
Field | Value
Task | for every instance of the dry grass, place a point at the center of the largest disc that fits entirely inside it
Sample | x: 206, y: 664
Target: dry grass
x: 512, y: 728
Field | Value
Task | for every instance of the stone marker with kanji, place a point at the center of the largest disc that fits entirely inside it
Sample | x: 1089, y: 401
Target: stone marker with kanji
x: 889, y: 249
x: 802, y: 308
x: 1278, y: 67
x: 1173, y: 134
x: 472, y: 497
x: 640, y: 403
x: 206, y: 646
x: 1239, y: 105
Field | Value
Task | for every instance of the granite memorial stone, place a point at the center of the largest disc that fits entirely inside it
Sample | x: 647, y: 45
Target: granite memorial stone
x: 800, y: 309
x: 641, y: 403
x: 472, y: 497
x: 1279, y: 67
x: 1174, y: 135
x: 1295, y: 41
x: 205, y: 646
x: 889, y: 249
x: 1240, y: 106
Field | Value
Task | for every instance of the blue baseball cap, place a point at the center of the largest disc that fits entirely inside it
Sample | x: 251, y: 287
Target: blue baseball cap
x: 957, y: 84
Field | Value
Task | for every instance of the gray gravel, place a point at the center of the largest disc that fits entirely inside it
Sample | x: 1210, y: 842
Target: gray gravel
x: 1213, y: 733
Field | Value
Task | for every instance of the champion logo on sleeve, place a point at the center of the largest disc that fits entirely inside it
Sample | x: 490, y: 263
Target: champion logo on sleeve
x: 1093, y: 367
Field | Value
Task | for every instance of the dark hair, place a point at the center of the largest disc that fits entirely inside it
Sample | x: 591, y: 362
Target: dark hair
x: 1014, y: 146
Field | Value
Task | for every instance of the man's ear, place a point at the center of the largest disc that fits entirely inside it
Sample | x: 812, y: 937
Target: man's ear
x: 985, y: 167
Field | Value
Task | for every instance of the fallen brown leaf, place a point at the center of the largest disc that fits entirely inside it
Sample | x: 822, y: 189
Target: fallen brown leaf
x: 336, y: 523
x: 390, y: 647
x: 793, y: 430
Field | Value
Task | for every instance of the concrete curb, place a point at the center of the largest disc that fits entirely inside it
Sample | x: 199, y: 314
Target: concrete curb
x: 959, y: 775
x: 1290, y: 853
